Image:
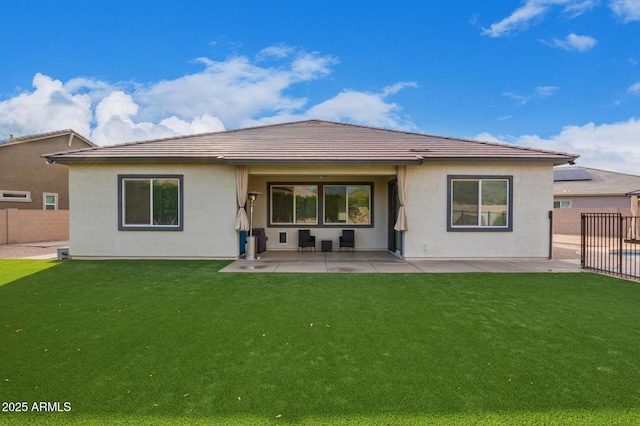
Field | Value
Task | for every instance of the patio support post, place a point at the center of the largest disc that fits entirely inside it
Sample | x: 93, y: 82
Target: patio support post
x: 401, y: 223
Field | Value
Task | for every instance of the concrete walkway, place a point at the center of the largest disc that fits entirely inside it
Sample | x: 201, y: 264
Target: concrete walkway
x: 386, y: 262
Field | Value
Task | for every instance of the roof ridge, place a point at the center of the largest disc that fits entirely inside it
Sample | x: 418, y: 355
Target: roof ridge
x: 38, y: 136
x: 599, y: 170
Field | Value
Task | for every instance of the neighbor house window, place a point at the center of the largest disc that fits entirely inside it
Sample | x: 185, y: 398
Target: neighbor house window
x: 562, y: 204
x: 481, y: 203
x: 15, y: 196
x: 347, y: 204
x: 49, y: 201
x: 294, y: 204
x: 150, y: 202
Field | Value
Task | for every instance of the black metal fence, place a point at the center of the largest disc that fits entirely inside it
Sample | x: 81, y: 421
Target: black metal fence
x: 610, y: 244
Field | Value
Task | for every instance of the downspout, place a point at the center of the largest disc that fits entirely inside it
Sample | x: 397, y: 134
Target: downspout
x: 70, y: 139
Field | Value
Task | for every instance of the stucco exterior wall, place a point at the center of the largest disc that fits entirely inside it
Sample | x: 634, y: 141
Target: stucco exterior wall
x: 367, y: 238
x: 426, y: 207
x: 210, y: 211
x: 209, y: 214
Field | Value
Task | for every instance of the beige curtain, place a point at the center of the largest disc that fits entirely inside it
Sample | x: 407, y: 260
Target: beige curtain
x: 401, y: 223
x: 242, y: 183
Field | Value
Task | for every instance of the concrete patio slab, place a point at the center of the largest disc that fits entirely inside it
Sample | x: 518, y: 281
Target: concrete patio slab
x: 252, y: 266
x: 395, y: 268
x: 436, y: 266
x: 357, y: 267
x: 301, y: 267
x: 386, y: 262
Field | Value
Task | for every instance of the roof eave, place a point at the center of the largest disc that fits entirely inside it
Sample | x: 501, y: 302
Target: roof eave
x: 417, y: 160
x: 233, y: 161
x: 554, y: 161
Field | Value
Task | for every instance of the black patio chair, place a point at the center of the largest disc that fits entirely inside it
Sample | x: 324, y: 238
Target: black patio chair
x: 348, y: 239
x: 305, y: 239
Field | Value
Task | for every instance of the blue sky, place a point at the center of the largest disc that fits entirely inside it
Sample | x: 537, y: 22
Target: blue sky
x: 553, y: 74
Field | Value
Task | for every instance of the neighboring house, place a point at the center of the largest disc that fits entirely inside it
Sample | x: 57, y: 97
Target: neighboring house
x: 26, y: 180
x: 578, y: 190
x: 418, y: 195
x: 34, y: 195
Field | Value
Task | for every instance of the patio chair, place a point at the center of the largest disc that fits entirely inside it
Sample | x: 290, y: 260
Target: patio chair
x: 305, y: 239
x: 348, y: 239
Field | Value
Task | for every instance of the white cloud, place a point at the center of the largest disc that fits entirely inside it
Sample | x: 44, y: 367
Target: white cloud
x: 365, y: 108
x: 576, y: 8
x: 277, y: 52
x: 48, y: 107
x: 202, y: 124
x: 606, y: 146
x: 232, y: 93
x: 114, y: 123
x: 626, y: 10
x: 518, y: 20
x: 395, y: 88
x: 533, y: 10
x: 540, y: 92
x: 575, y: 42
x: 235, y: 90
x: 634, y: 89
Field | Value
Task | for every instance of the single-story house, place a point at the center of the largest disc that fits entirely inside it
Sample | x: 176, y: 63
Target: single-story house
x: 578, y: 190
x: 417, y: 195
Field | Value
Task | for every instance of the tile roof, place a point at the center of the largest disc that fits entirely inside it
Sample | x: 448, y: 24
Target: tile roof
x: 602, y: 183
x: 40, y: 136
x: 309, y: 142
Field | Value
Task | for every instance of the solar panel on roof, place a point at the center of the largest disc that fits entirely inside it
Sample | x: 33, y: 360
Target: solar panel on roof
x: 570, y: 175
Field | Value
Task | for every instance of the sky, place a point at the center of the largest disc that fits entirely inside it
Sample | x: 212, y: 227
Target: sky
x: 550, y: 74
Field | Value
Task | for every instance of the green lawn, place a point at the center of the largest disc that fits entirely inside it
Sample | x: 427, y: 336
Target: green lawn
x: 176, y: 342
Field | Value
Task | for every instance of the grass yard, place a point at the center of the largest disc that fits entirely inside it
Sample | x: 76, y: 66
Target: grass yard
x: 176, y: 342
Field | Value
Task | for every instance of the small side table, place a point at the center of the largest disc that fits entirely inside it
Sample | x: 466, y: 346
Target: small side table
x: 327, y: 245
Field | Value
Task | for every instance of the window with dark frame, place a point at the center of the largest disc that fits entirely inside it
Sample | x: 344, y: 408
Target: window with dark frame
x: 150, y: 202
x: 347, y: 204
x: 341, y: 204
x: 480, y: 203
x: 294, y: 204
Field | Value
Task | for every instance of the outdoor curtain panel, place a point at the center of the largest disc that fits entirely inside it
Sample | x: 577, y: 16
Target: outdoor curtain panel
x: 242, y: 183
x: 401, y: 223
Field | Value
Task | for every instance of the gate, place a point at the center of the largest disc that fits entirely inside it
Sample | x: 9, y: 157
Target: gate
x: 610, y: 244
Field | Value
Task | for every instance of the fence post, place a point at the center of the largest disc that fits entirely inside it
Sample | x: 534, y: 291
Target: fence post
x: 620, y: 240
x: 583, y: 233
